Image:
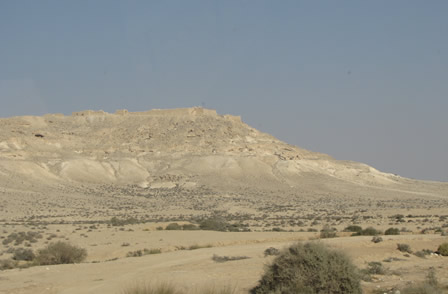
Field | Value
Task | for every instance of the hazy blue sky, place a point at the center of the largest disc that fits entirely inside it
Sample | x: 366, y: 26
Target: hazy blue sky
x: 359, y: 80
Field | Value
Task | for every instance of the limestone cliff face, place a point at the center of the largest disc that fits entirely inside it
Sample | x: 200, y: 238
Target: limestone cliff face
x: 160, y: 148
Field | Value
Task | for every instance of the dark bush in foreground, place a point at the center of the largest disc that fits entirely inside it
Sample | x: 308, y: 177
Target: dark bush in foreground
x: 310, y: 268
x: 60, y: 253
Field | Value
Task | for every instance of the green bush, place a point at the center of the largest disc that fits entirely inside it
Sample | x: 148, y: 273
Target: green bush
x: 443, y: 249
x: 392, y: 231
x: 310, y: 268
x: 60, y: 253
x: 377, y: 239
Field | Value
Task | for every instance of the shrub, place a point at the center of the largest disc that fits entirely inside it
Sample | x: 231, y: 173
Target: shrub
x: 189, y: 227
x: 392, y: 231
x: 19, y: 237
x: 173, y: 226
x: 197, y: 246
x: 375, y: 268
x: 370, y: 231
x: 429, y: 286
x: 353, y: 228
x: 377, y: 239
x: 443, y: 249
x: 136, y: 253
x: 423, y: 253
x: 327, y: 232
x: 60, y: 253
x: 23, y: 254
x: 7, y: 264
x: 115, y: 221
x: 271, y: 251
x: 218, y: 258
x: 404, y: 248
x: 310, y: 268
x: 152, y: 251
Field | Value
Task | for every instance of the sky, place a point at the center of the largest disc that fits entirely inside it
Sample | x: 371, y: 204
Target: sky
x: 360, y: 80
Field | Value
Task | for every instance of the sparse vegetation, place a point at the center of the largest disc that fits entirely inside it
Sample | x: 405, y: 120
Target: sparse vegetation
x: 20, y: 237
x: 370, y: 231
x: 271, y: 251
x: 429, y: 286
x: 145, y: 251
x: 404, y: 248
x: 443, y: 249
x: 60, y: 253
x: 115, y: 221
x: 423, y: 253
x: 173, y: 227
x: 23, y: 254
x: 6, y: 264
x: 377, y: 239
x: 327, y: 232
x: 310, y: 268
x: 375, y: 268
x: 218, y: 258
x: 392, y: 231
x: 353, y: 228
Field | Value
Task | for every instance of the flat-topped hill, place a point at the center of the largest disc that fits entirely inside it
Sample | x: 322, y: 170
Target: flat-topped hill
x: 191, y: 151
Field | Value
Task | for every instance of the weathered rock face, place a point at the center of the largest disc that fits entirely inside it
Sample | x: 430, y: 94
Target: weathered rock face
x: 164, y: 148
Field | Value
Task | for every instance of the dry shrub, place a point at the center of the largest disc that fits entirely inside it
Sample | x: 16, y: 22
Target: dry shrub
x: 443, y: 249
x: 310, y: 268
x: 60, y: 253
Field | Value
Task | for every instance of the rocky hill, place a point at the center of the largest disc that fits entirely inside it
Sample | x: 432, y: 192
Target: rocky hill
x: 191, y: 151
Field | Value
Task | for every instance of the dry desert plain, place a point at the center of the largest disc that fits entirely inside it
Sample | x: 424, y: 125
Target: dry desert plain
x: 112, y: 183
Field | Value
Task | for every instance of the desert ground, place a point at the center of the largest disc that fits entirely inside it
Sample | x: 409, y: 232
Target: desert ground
x: 113, y: 183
